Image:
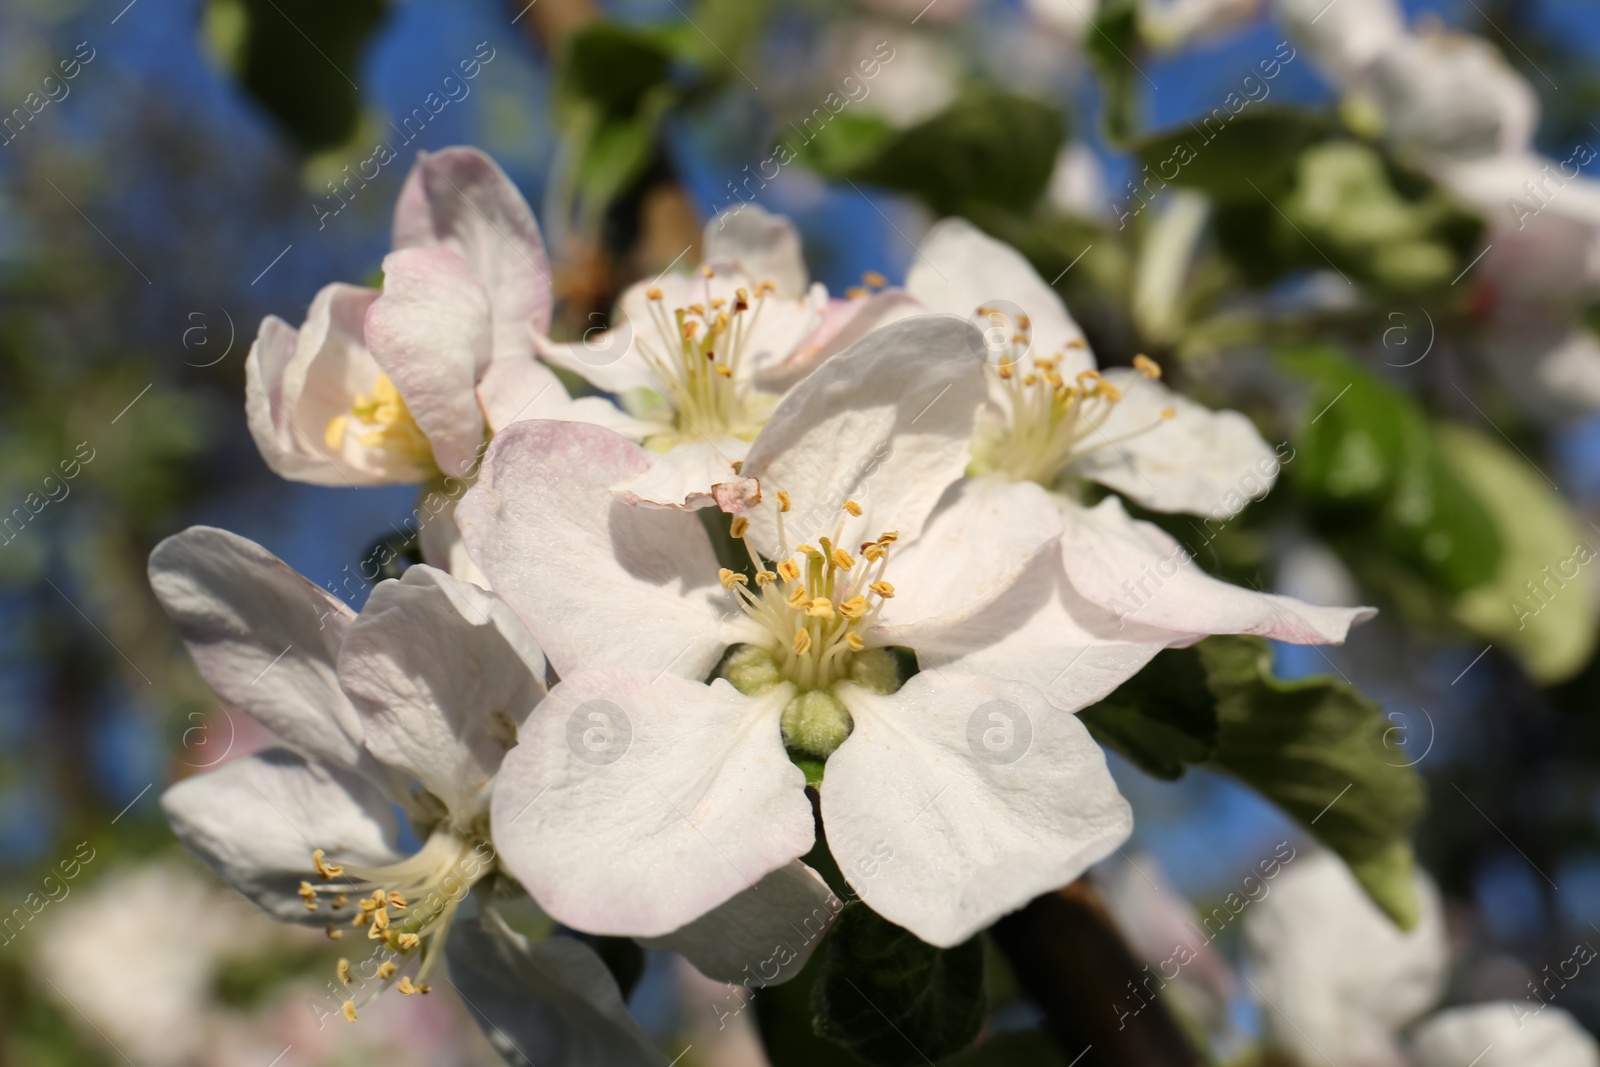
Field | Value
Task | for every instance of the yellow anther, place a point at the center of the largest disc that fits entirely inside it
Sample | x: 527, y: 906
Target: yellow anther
x: 1030, y: 379
x: 888, y: 537
x: 378, y: 899
x: 854, y: 608
x: 689, y: 330
x: 653, y: 294
x: 425, y: 988
x: 707, y: 271
x: 1077, y: 342
x: 396, y: 901
x: 349, y: 1011
x: 842, y: 559
x: 810, y: 550
x: 1109, y: 391
x: 802, y: 642
x: 405, y: 986
x: 324, y: 868
x: 883, y: 589
x: 853, y: 639
x: 789, y: 570
x: 852, y: 507
x: 765, y: 577
x: 1168, y: 413
x: 783, y: 501
x: 386, y: 970
x: 873, y: 551
x: 408, y: 942
x: 339, y: 901
x: 380, y: 919
x: 333, y: 934
x: 724, y: 370
x: 766, y: 287
x: 799, y: 597
x: 342, y: 969
x: 856, y: 292
x: 742, y: 294
x: 1024, y: 323
x: 1005, y: 370
x: 820, y: 608
x: 1087, y: 378
x: 738, y: 526
x: 722, y: 318
x: 309, y: 895
x: 874, y: 279
x: 1054, y: 379
x: 729, y: 579
x: 1147, y: 366
x: 717, y: 303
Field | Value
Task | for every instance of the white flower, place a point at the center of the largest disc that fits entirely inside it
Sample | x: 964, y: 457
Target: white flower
x: 407, y: 708
x: 1338, y: 979
x: 949, y: 801
x: 1057, y: 422
x: 699, y: 360
x: 1504, y: 1034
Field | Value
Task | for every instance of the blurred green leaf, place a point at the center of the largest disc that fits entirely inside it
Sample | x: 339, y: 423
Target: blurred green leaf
x: 988, y: 148
x: 1540, y: 600
x: 892, y: 999
x: 612, y: 67
x: 1368, y: 458
x: 1163, y: 718
x: 1260, y: 145
x: 1317, y: 749
x: 1111, y: 44
x: 299, y: 60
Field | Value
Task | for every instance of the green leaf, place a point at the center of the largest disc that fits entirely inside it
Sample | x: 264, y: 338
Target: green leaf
x: 1368, y: 459
x: 1112, y: 44
x: 1317, y: 749
x: 303, y: 79
x: 1552, y: 627
x: 1218, y: 152
x: 1163, y: 718
x: 612, y: 67
x: 892, y: 999
x: 986, y: 148
x: 1386, y: 876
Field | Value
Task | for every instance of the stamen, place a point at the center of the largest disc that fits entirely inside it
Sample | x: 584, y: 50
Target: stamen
x: 342, y: 969
x: 1147, y: 366
x: 333, y: 933
x: 328, y: 870
x: 802, y: 642
x: 883, y: 589
x: 783, y: 501
x: 852, y: 507
x: 386, y: 970
x: 738, y: 526
x: 349, y: 1011
x: 874, y: 279
x: 405, y: 986
x: 407, y: 942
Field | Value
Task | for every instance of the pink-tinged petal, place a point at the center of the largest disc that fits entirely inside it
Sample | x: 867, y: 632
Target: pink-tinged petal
x: 637, y: 802
x: 1044, y: 633
x: 775, y: 924
x: 264, y: 637
x: 599, y: 583
x: 517, y: 390
x: 977, y: 544
x: 765, y: 246
x: 443, y: 675
x: 290, y: 398
x: 688, y: 476
x: 460, y: 198
x: 1166, y: 452
x: 886, y: 423
x: 255, y: 822
x: 844, y: 322
x: 429, y: 331
x: 1141, y: 575
x: 959, y: 270
x: 960, y: 798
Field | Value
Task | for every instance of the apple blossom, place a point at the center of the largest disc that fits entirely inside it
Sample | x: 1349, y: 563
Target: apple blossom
x: 849, y: 559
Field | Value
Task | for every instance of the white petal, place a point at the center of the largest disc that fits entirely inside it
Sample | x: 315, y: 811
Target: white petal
x: 429, y: 331
x: 1452, y: 97
x: 443, y: 675
x: 460, y: 198
x: 1346, y: 36
x: 1505, y: 1033
x: 766, y: 933
x: 1339, y: 978
x: 1200, y: 461
x: 1044, y: 633
x: 686, y: 476
x: 961, y: 798
x: 980, y: 539
x: 1138, y: 573
x: 605, y: 358
x: 598, y: 582
x: 439, y: 539
x: 264, y: 637
x: 290, y: 399
x: 634, y: 803
x: 256, y: 821
x: 765, y: 246
x: 841, y: 324
x: 960, y: 269
x: 885, y: 423
x: 514, y: 390
x: 552, y: 1002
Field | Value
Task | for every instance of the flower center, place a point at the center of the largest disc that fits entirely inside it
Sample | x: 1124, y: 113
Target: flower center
x: 406, y: 907
x: 817, y: 603
x: 1051, y: 421
x: 696, y: 352
x: 383, y: 422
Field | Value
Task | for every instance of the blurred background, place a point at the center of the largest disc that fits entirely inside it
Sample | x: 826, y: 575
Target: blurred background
x: 194, y: 173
